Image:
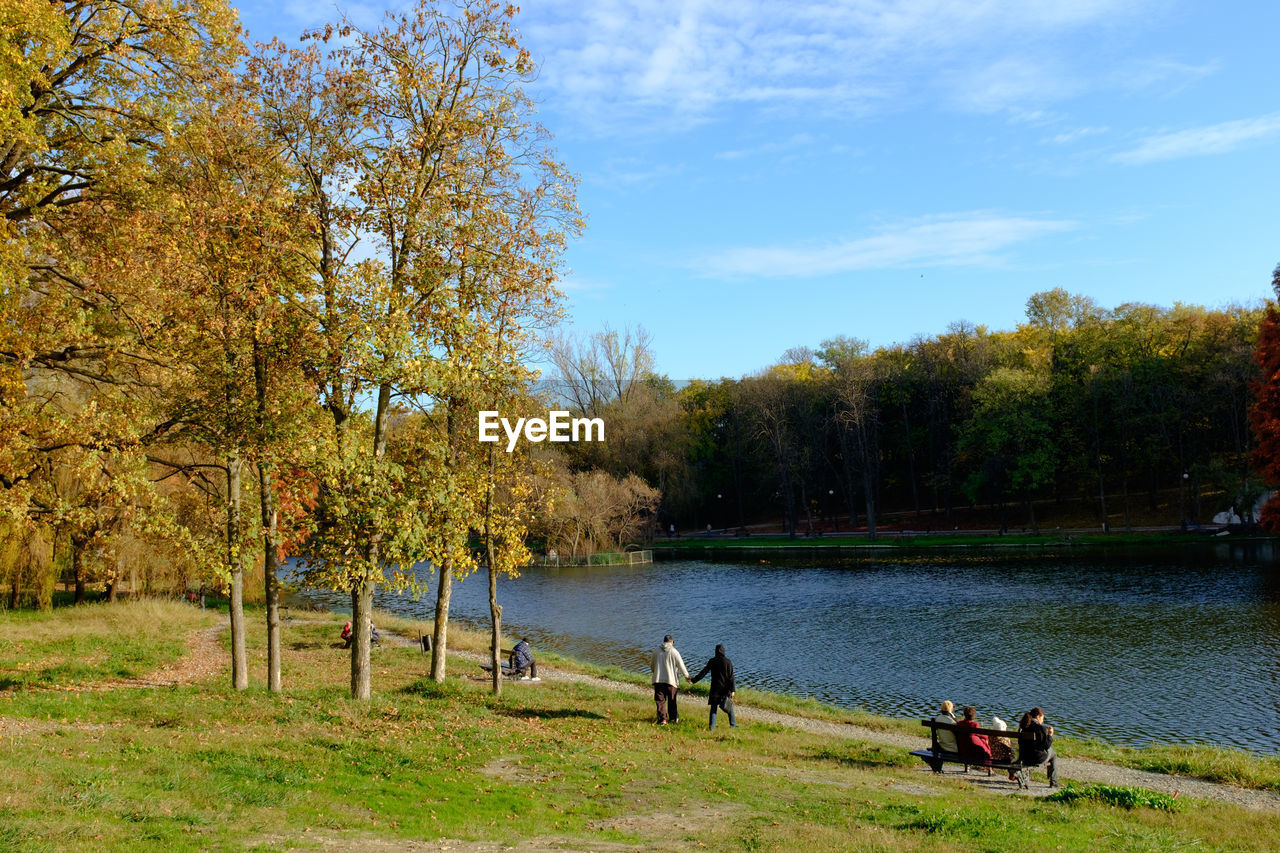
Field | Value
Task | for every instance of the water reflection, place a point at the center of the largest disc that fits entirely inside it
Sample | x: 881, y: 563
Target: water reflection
x: 1134, y: 650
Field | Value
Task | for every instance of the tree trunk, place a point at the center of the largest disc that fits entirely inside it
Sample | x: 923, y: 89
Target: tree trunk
x: 77, y: 568
x: 440, y: 641
x: 235, y: 564
x: 495, y: 619
x: 271, y: 575
x: 361, y: 620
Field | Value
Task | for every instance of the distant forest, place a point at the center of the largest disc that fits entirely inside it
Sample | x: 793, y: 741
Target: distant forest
x: 1081, y: 416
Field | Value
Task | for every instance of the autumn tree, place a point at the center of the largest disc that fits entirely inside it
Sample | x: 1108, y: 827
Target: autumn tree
x: 1265, y: 415
x: 88, y: 92
x: 416, y: 142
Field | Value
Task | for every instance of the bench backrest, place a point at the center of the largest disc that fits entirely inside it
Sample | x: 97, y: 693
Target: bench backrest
x: 956, y: 727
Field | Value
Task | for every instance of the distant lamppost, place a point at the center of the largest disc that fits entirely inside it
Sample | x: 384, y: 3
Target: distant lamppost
x: 720, y: 509
x: 831, y: 508
x: 1182, y: 499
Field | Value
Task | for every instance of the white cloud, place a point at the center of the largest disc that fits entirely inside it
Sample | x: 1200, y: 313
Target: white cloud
x: 1194, y: 142
x: 1013, y: 83
x: 966, y: 239
x: 1167, y: 75
x: 1069, y: 136
x: 790, y: 145
x: 612, y: 62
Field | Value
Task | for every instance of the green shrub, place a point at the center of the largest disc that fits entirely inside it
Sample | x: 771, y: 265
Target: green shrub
x: 1122, y: 796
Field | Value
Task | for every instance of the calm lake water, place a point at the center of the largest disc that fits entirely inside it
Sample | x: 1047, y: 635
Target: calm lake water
x: 1132, y: 648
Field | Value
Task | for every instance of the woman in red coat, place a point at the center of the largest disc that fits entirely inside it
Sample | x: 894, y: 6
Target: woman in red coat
x: 973, y: 746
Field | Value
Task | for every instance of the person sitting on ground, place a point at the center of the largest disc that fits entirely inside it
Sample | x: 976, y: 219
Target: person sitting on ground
x: 521, y: 663
x: 946, y: 738
x: 375, y: 639
x: 723, y: 687
x: 973, y: 746
x: 1035, y: 743
x: 346, y: 635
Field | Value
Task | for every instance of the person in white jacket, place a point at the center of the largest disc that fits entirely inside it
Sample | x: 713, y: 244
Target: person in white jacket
x: 668, y: 668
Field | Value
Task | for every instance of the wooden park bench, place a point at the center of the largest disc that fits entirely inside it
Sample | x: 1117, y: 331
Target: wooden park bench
x: 935, y: 756
x: 506, y: 667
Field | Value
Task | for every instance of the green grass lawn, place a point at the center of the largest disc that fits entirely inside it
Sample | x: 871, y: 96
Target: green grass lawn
x: 200, y: 767
x: 93, y: 642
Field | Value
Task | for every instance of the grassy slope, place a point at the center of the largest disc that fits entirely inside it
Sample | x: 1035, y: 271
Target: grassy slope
x: 93, y: 642
x: 197, y: 767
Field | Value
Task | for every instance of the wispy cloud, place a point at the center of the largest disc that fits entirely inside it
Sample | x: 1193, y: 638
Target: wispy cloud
x: 1069, y: 136
x: 1165, y: 76
x: 965, y: 239
x: 634, y: 172
x: 578, y: 286
x: 681, y: 60
x: 791, y: 144
x: 1197, y: 141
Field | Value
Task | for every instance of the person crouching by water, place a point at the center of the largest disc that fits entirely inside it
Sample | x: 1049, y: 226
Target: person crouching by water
x: 722, y: 685
x: 348, y: 635
x: 1035, y: 747
x: 972, y: 746
x: 945, y: 737
x: 668, y: 668
x: 521, y: 663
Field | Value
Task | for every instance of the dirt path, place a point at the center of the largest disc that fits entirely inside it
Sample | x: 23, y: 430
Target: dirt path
x: 1078, y: 769
x: 205, y: 658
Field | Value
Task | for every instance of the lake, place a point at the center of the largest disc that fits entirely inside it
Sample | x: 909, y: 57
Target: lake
x: 1131, y: 647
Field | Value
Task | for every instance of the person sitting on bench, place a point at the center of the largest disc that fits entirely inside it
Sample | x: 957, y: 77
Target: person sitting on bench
x: 1035, y: 741
x: 522, y: 664
x: 946, y: 737
x: 971, y: 745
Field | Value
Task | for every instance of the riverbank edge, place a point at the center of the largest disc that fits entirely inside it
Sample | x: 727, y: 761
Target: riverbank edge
x: 1216, y: 765
x: 931, y: 542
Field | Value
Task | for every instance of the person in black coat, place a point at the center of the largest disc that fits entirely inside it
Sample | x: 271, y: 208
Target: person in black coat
x: 1036, y: 747
x: 722, y: 685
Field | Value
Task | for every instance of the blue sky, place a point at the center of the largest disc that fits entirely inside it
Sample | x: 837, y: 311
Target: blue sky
x: 759, y: 175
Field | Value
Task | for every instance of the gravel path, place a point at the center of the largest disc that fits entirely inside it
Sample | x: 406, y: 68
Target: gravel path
x: 1078, y: 769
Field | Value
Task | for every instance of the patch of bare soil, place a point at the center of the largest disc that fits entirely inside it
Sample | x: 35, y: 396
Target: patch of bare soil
x: 664, y: 825
x: 205, y: 658
x: 510, y: 768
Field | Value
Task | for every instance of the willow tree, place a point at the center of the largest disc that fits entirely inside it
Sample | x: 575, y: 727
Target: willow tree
x: 418, y: 156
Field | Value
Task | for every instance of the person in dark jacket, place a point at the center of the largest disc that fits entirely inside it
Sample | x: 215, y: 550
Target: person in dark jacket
x: 522, y: 663
x: 1035, y: 741
x: 722, y: 685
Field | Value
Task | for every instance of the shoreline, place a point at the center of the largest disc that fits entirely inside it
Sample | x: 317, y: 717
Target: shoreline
x: 915, y: 540
x: 881, y: 730
x: 1071, y: 768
